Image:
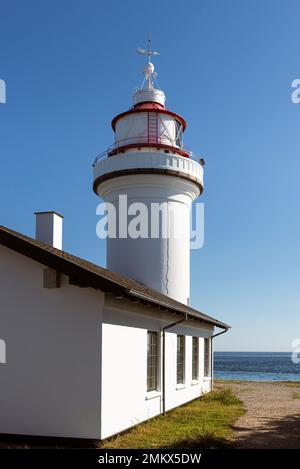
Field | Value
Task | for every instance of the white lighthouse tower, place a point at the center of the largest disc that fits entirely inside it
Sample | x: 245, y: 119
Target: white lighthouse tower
x: 148, y: 166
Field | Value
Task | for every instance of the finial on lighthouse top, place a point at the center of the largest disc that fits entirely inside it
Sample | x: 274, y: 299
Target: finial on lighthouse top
x: 148, y: 92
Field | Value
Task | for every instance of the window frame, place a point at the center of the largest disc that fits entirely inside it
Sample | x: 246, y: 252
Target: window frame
x: 195, y: 359
x: 178, y: 134
x: 181, y: 380
x: 155, y: 363
x: 207, y: 357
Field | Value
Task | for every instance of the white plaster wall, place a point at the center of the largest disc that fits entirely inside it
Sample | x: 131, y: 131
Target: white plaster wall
x: 125, y: 401
x: 50, y: 384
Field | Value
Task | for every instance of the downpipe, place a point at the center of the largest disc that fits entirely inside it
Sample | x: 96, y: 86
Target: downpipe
x: 211, y: 357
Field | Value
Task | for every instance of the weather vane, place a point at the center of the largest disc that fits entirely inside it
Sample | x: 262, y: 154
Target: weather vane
x: 148, y: 52
x: 149, y: 68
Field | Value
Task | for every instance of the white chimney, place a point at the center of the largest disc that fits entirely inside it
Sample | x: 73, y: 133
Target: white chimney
x: 49, y: 228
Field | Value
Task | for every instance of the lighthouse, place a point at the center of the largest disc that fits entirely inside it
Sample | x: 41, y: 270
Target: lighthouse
x: 149, y: 173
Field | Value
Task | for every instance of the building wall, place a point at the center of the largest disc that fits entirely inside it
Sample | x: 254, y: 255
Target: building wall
x: 125, y: 401
x: 50, y: 383
x: 67, y: 374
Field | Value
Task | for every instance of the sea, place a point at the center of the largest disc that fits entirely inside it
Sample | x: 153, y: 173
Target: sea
x: 256, y: 366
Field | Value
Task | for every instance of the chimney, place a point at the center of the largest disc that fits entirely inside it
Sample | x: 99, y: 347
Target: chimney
x: 49, y: 228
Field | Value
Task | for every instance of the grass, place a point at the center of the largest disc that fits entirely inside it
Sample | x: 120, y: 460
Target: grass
x: 292, y: 384
x: 231, y: 381
x: 296, y: 395
x: 203, y: 423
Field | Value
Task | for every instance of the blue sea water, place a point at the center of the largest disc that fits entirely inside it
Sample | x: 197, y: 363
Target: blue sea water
x: 256, y: 366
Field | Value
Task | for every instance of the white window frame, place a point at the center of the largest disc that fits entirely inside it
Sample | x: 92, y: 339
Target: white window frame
x: 207, y: 357
x: 155, y: 390
x: 181, y: 382
x: 196, y: 377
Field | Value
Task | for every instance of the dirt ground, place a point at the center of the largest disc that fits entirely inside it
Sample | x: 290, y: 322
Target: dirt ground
x: 272, y: 419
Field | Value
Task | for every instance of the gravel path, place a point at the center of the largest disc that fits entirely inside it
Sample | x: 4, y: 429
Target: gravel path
x: 272, y: 419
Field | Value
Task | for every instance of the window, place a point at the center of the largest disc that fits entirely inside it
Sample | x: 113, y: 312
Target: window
x: 178, y: 137
x: 206, y: 357
x: 152, y: 361
x: 195, y: 358
x: 180, y: 359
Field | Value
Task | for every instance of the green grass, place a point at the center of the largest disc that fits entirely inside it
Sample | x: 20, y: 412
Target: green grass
x: 292, y: 384
x: 203, y: 423
x: 296, y: 395
x: 232, y: 381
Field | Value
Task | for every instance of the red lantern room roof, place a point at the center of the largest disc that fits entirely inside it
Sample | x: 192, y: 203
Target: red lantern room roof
x: 149, y: 105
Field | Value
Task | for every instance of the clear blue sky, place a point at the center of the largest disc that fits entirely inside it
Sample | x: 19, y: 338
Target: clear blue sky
x: 227, y: 67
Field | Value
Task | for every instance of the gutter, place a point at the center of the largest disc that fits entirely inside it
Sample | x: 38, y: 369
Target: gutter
x: 211, y: 357
x: 164, y: 359
x: 178, y: 308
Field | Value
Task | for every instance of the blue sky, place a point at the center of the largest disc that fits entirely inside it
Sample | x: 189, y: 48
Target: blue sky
x: 227, y: 67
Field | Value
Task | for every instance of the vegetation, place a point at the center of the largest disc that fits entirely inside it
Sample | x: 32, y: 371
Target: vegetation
x: 203, y: 423
x: 296, y: 395
x: 292, y: 384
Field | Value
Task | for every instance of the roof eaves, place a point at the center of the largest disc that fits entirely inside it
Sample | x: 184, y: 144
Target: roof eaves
x: 184, y: 310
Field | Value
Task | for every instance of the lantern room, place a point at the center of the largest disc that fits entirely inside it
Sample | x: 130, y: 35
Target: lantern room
x: 149, y: 123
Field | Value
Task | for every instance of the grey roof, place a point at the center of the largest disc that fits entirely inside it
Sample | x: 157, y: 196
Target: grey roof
x: 84, y: 273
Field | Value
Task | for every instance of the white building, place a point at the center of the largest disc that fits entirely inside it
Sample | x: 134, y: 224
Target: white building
x: 90, y: 351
